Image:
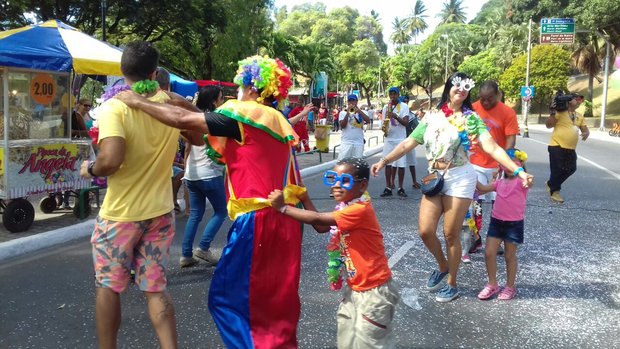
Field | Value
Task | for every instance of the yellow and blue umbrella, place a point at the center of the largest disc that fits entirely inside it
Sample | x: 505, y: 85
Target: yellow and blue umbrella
x: 55, y: 46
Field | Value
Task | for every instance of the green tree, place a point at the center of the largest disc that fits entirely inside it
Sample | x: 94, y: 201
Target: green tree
x: 481, y: 67
x: 360, y: 65
x: 586, y: 58
x: 401, y: 33
x: 452, y: 12
x: 549, y: 69
x: 416, y: 22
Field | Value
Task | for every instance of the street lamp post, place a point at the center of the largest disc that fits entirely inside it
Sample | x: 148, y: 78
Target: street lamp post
x: 103, y: 13
x: 447, y: 47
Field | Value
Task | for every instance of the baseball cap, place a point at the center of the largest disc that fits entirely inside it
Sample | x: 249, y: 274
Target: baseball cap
x: 352, y: 97
x: 394, y: 89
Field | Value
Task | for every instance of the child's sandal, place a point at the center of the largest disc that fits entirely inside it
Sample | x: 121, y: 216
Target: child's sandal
x: 488, y: 291
x: 507, y: 293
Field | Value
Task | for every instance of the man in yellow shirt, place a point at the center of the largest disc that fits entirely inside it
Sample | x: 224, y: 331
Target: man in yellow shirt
x: 566, y: 124
x: 135, y: 226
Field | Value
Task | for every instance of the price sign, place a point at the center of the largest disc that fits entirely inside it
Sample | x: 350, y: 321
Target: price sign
x: 43, y: 89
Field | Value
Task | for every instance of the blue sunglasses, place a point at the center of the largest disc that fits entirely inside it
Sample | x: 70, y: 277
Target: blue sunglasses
x: 330, y: 178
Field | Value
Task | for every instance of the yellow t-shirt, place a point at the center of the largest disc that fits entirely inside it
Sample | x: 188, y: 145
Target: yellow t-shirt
x: 566, y: 131
x: 141, y: 188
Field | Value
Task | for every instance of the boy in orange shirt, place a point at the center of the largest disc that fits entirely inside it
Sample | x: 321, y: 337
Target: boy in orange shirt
x: 367, y: 309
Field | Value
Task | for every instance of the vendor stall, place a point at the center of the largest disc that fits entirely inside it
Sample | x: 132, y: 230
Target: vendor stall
x: 37, y: 154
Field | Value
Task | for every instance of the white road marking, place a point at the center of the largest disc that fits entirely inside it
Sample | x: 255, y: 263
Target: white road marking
x: 400, y: 253
x: 600, y: 167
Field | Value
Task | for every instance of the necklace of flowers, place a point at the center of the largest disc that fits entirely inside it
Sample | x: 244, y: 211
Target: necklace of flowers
x: 140, y: 87
x: 465, y: 128
x: 334, y: 253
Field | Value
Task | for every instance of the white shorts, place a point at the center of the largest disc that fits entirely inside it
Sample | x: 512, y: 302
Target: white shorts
x: 460, y: 182
x: 411, y: 160
x: 348, y: 150
x: 388, y: 146
x: 485, y: 175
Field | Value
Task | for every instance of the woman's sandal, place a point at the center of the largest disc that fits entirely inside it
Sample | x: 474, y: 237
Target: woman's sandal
x: 507, y: 293
x: 488, y: 291
x: 416, y: 185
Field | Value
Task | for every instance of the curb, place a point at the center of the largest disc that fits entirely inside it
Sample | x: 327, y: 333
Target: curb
x: 37, y: 242
x: 28, y: 244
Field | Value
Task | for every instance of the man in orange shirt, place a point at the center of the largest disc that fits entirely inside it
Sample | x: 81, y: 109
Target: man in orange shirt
x: 503, y: 126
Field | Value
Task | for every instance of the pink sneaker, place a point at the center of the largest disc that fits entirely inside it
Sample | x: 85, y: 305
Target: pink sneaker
x: 466, y: 259
x: 488, y: 291
x: 507, y: 293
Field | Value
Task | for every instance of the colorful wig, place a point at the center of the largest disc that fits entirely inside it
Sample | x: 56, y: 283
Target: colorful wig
x: 268, y: 76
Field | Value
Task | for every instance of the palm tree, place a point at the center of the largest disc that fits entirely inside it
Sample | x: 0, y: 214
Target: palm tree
x: 452, y: 12
x: 586, y: 59
x: 401, y: 34
x: 416, y: 22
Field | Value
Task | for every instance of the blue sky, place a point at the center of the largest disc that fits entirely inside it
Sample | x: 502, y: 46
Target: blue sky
x: 388, y: 9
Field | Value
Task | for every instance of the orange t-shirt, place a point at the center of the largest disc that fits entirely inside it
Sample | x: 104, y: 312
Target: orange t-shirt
x: 361, y: 245
x: 502, y: 122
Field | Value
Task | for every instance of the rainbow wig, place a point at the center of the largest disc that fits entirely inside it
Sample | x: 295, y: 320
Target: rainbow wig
x: 268, y: 76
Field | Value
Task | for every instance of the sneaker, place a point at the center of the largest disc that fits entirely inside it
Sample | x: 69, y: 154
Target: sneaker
x: 507, y: 293
x: 187, y: 262
x: 434, y: 281
x: 206, y: 256
x: 476, y: 246
x: 447, y: 294
x: 488, y: 291
x: 401, y: 193
x: 387, y: 192
x: 556, y: 197
x: 466, y: 259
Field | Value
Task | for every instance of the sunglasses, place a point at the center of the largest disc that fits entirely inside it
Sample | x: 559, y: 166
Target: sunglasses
x: 330, y: 178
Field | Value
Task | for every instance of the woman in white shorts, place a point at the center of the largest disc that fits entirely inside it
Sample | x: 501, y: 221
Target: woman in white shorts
x: 447, y: 134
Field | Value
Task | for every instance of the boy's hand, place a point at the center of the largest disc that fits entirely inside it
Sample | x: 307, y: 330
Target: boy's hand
x: 277, y: 199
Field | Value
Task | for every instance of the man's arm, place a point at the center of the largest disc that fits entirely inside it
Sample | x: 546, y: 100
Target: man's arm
x: 551, y: 120
x: 363, y: 115
x: 109, y: 159
x: 167, y: 114
x: 345, y: 121
x: 511, y: 141
x: 585, y: 131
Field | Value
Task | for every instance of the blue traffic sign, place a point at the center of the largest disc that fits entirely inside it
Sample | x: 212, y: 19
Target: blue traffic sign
x: 527, y: 91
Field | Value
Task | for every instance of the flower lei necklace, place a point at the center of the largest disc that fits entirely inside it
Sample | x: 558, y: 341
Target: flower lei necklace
x: 140, y: 87
x: 466, y: 127
x: 334, y: 254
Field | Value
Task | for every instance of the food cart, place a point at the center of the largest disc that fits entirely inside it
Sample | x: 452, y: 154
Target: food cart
x: 37, y: 154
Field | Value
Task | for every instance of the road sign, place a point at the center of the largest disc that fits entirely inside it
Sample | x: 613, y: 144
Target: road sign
x: 527, y: 91
x: 557, y: 30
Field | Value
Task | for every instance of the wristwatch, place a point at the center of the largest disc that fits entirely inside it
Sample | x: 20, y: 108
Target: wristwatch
x: 90, y: 168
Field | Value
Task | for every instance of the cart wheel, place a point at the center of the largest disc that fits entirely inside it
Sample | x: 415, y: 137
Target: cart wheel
x: 87, y: 208
x: 47, y: 205
x: 18, y: 215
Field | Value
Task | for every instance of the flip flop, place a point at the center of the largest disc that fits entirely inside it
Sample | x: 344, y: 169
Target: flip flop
x: 416, y: 185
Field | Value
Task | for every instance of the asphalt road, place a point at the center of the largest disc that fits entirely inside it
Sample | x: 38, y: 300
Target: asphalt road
x: 568, y: 280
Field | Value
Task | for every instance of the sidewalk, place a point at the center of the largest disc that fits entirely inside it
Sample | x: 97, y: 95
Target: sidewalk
x: 62, y: 226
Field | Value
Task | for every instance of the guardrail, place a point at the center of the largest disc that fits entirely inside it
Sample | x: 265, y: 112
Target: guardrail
x: 376, y: 138
x: 312, y: 152
x: 335, y: 146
